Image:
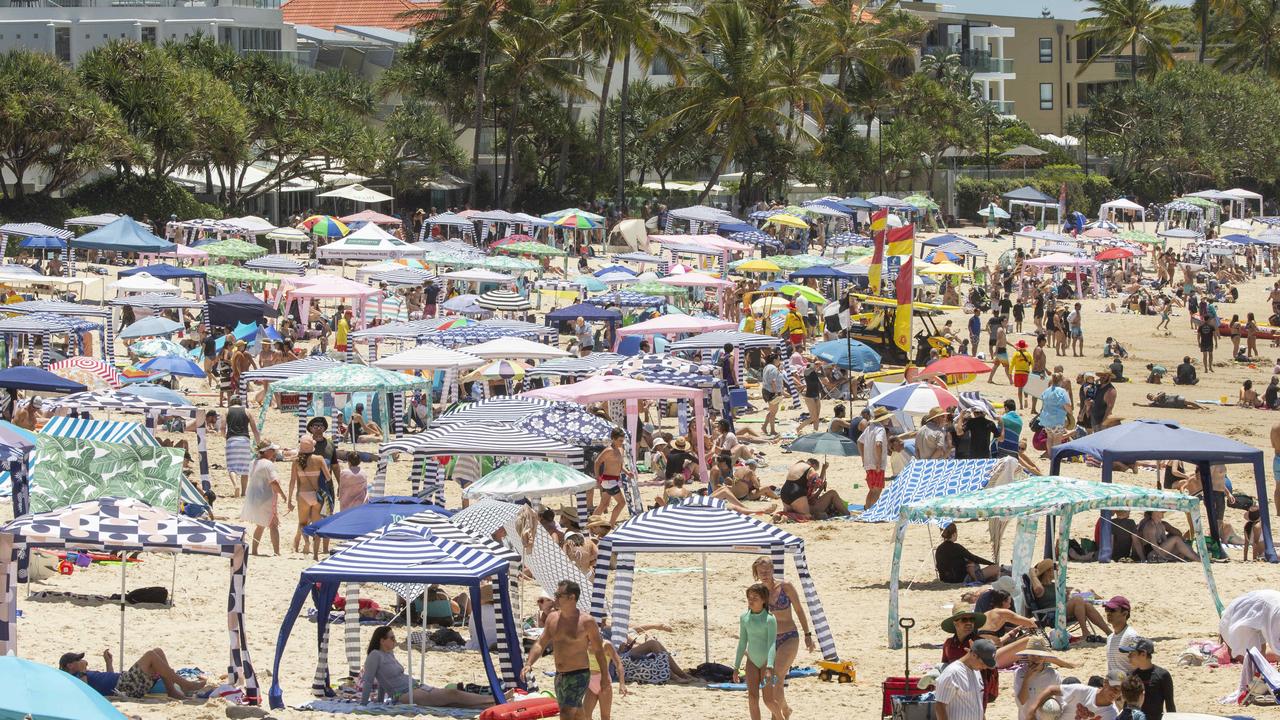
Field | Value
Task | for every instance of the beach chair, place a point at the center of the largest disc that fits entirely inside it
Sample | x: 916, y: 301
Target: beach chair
x: 1044, y: 618
x: 1266, y: 672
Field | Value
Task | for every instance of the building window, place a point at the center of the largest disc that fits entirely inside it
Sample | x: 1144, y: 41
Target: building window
x: 62, y: 44
x: 1046, y: 50
x: 1066, y: 48
x: 1067, y: 87
x: 1046, y: 96
x: 149, y: 35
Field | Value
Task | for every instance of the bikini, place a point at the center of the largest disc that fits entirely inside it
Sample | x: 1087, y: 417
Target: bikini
x: 782, y: 603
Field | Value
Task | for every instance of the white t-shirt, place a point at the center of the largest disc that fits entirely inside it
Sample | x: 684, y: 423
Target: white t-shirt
x: 1117, y: 660
x: 728, y: 442
x: 959, y: 687
x: 873, y: 459
x: 1041, y: 680
x: 1080, y: 702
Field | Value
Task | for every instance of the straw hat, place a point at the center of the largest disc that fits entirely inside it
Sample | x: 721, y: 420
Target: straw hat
x: 933, y: 414
x: 568, y: 513
x: 1043, y: 567
x: 1037, y: 647
x: 882, y: 414
x: 681, y: 444
x: 598, y: 521
x: 979, y: 619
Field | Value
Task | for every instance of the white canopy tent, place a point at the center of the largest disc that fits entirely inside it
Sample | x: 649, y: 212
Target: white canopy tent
x: 1244, y: 198
x: 1109, y: 210
x: 370, y: 242
x: 357, y: 192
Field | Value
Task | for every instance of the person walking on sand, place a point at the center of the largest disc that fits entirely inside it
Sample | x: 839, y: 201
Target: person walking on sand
x: 772, y: 389
x: 757, y: 630
x: 873, y: 444
x: 309, y: 470
x: 959, y: 688
x: 1075, y: 325
x: 787, y: 607
x: 574, y: 636
x: 609, y: 473
x: 1000, y: 353
x: 261, y: 499
x: 1207, y: 336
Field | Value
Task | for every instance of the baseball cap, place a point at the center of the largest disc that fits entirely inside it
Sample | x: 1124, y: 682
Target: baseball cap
x: 68, y: 658
x: 1119, y: 602
x: 985, y: 650
x: 1138, y: 644
x: 1115, y: 678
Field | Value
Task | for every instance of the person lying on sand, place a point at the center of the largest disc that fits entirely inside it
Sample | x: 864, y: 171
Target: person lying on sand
x: 135, y: 682
x: 1170, y: 401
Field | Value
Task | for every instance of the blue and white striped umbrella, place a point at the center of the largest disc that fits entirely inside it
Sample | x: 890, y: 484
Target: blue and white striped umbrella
x: 755, y: 237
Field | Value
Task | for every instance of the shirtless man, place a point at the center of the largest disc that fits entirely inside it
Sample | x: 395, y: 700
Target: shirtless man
x: 608, y: 469
x: 1039, y: 365
x: 241, y: 363
x: 574, y: 636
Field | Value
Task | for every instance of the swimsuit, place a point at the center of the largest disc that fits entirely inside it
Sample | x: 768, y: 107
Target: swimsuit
x: 571, y: 687
x: 782, y: 603
x: 610, y: 484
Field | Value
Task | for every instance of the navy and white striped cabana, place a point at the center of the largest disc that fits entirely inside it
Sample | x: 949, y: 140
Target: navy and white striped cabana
x: 279, y: 264
x: 573, y: 367
x: 35, y: 229
x: 406, y: 559
x: 58, y: 307
x: 496, y: 409
x: 697, y: 525
x: 403, y: 276
x: 474, y: 437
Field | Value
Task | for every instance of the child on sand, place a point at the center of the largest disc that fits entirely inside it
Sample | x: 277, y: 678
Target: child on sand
x: 757, y: 632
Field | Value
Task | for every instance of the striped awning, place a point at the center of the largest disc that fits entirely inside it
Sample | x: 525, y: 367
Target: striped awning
x: 502, y: 299
x: 497, y: 409
x: 483, y: 438
x: 56, y: 307
x: 35, y: 229
x: 407, y: 555
x: 293, y: 368
x: 279, y: 264
x: 444, y: 528
x: 118, y: 401
x: 40, y: 323
x: 403, y: 276
x: 716, y: 340
x: 575, y: 366
x: 410, y: 330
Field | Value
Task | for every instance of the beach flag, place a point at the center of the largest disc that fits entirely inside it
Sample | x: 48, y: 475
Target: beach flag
x: 902, y: 318
x: 879, y: 223
x: 900, y: 240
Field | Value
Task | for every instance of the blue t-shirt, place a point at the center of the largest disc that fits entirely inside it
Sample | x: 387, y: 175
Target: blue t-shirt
x: 975, y: 325
x: 104, y: 682
x: 1012, y: 423
x: 1054, y: 407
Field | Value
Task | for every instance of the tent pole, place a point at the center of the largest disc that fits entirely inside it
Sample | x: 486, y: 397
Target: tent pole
x: 408, y: 640
x: 422, y: 656
x: 124, y: 566
x: 706, y: 631
x: 173, y: 581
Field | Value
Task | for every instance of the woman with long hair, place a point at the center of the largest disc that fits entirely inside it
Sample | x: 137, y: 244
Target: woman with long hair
x: 382, y: 668
x: 787, y: 607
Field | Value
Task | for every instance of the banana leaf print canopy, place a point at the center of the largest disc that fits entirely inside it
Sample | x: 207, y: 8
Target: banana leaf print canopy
x: 1027, y: 502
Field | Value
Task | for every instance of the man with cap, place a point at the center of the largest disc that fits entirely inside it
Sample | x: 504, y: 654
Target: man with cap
x: 135, y: 682
x: 933, y: 440
x: 959, y: 689
x: 1037, y: 670
x: 1081, y: 702
x: 1157, y: 698
x: 1117, y: 610
x: 1020, y: 364
x: 873, y: 445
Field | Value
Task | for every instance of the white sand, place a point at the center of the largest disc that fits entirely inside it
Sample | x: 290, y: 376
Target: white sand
x: 850, y: 561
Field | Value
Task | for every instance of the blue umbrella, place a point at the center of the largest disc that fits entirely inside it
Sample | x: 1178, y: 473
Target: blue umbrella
x: 156, y: 392
x: 824, y: 443
x: 38, y: 691
x: 848, y: 354
x: 154, y: 326
x: 570, y: 425
x: 43, y: 242
x: 858, y: 203
x: 173, y: 365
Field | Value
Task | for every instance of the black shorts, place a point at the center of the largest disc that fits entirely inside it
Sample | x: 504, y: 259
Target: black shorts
x: 767, y: 395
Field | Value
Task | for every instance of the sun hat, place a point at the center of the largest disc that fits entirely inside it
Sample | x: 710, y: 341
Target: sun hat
x: 1043, y: 566
x: 1037, y: 647
x: 681, y: 444
x: 597, y: 521
x: 1021, y: 344
x: 882, y: 414
x: 933, y: 414
x: 1115, y: 678
x: 265, y: 445
x: 1006, y: 585
x: 979, y: 619
x: 306, y: 444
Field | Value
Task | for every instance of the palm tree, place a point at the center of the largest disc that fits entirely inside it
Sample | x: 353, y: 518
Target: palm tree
x: 1116, y: 25
x: 473, y: 21
x: 863, y: 41
x: 1252, y: 40
x: 1202, y: 9
x: 802, y: 61
x: 736, y: 87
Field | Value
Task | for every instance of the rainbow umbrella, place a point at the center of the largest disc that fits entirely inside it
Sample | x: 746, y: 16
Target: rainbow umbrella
x: 498, y: 370
x: 410, y: 263
x: 572, y: 211
x: 455, y: 322
x: 325, y: 226
x: 576, y: 221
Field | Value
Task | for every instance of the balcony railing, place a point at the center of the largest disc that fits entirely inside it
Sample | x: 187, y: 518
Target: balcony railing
x: 1003, y: 107
x: 979, y: 61
x: 1124, y: 68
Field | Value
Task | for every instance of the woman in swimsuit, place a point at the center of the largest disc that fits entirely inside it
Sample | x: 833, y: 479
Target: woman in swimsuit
x: 787, y: 607
x: 755, y: 626
x: 307, y: 474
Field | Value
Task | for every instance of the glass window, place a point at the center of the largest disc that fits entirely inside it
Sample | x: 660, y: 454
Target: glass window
x: 1046, y: 96
x: 1046, y: 50
x: 1067, y: 88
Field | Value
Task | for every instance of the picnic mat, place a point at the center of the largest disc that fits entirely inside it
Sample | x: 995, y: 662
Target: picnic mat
x: 350, y: 707
x: 795, y: 673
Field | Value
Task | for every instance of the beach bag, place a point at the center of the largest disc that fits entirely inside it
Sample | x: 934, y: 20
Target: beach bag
x: 1040, y: 440
x: 1242, y: 501
x: 155, y: 594
x: 713, y: 672
x: 653, y: 669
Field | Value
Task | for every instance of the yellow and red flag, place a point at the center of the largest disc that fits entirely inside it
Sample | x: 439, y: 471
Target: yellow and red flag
x: 903, y: 314
x: 879, y: 222
x: 900, y: 240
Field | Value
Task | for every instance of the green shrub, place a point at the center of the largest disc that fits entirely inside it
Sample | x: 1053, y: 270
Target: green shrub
x: 1084, y: 193
x: 140, y: 197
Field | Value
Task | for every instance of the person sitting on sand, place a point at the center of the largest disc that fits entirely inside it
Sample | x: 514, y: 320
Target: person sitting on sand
x: 1173, y: 402
x: 1155, y: 373
x: 955, y: 564
x: 135, y: 682
x: 1248, y: 396
x: 1161, y: 542
x: 635, y: 646
x: 382, y: 668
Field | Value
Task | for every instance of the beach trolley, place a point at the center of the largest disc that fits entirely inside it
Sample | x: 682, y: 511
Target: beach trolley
x: 900, y: 696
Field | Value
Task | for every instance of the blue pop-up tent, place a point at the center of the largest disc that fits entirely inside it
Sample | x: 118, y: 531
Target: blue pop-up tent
x: 239, y: 307
x: 25, y: 377
x: 164, y: 271
x: 123, y: 235
x: 364, y: 519
x: 1138, y: 440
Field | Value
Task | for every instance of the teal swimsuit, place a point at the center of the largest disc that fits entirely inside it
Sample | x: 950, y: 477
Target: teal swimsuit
x: 756, y: 635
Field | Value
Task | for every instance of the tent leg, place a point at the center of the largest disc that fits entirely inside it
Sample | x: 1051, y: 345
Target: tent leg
x: 706, y: 616
x: 173, y: 584
x: 124, y: 566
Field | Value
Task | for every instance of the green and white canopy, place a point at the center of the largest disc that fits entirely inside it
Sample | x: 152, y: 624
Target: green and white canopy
x: 348, y: 378
x: 530, y: 479
x: 1026, y: 502
x: 234, y: 250
x: 73, y: 470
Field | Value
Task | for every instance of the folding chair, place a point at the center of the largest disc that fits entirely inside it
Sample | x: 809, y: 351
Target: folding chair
x: 1266, y: 673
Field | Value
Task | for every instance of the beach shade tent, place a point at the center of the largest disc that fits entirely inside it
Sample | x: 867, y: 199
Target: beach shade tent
x: 626, y: 298
x: 369, y: 242
x: 157, y: 301
x: 371, y: 216
x: 35, y: 229
x: 124, y: 401
x: 588, y: 312
x: 820, y: 271
x: 156, y: 347
x: 528, y: 480
x: 1031, y: 197
x: 927, y: 479
x: 68, y: 470
x: 120, y: 235
x: 1244, y: 198
x: 286, y: 370
x: 144, y: 282
x: 697, y: 525
x: 177, y: 365
x: 43, y: 692
x: 573, y: 367
x: 503, y: 300
x: 1027, y: 501
x: 250, y: 224
x: 496, y: 410
x: 235, y: 308
x: 165, y: 271
x: 43, y: 325
x: 236, y: 276
x: 337, y: 382
x: 1061, y: 261
x: 473, y: 438
x: 304, y: 290
x: 280, y: 264
x: 569, y: 424
x: 1138, y: 440
x: 111, y: 524
x: 1111, y: 210
x: 289, y: 236
x: 93, y: 373
x: 35, y: 379
x: 479, y: 275
x: 668, y: 325
x: 430, y: 358
x: 402, y: 276
x: 406, y: 559
x: 357, y: 193
x: 515, y: 348
x: 154, y: 326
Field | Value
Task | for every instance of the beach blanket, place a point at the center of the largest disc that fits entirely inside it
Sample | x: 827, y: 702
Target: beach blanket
x: 344, y: 707
x: 795, y: 673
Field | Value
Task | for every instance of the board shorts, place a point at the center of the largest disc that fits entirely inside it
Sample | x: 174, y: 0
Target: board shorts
x: 796, y: 339
x: 135, y: 682
x: 571, y: 687
x: 610, y: 484
x: 875, y: 479
x: 1077, y: 332
x: 1020, y: 380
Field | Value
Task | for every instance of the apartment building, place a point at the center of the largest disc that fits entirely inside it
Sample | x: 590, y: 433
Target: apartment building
x: 68, y: 29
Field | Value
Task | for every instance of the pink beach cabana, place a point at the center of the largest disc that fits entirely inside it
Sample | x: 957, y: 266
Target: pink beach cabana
x: 304, y: 290
x: 696, y: 279
x: 372, y: 216
x: 707, y: 241
x: 604, y: 388
x: 1076, y: 263
x: 674, y: 325
x: 184, y: 253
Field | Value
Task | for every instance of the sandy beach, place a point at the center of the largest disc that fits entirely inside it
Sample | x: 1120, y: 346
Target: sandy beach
x: 849, y: 560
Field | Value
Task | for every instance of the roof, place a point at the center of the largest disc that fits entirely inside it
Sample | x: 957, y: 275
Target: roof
x: 1157, y: 440
x: 327, y: 14
x: 1049, y: 495
x: 926, y: 479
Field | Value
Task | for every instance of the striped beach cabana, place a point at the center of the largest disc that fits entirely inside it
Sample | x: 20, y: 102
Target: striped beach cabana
x: 698, y: 525
x: 407, y: 560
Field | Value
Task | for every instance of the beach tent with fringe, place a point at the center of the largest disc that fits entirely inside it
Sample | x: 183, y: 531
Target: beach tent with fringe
x: 927, y: 479
x: 112, y: 524
x: 698, y: 525
x: 408, y: 559
x: 1027, y: 502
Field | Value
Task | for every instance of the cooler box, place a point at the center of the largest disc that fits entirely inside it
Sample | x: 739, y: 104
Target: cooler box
x: 894, y: 687
x: 738, y: 398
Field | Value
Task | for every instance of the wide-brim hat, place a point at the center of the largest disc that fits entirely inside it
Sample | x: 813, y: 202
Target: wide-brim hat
x: 681, y: 444
x: 598, y: 521
x: 934, y: 414
x: 1037, y: 647
x: 979, y: 619
x: 882, y: 414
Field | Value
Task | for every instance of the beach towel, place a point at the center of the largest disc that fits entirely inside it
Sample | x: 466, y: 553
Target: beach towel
x: 343, y: 707
x: 795, y: 673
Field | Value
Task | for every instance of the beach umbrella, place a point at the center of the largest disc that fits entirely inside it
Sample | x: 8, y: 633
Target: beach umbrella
x: 958, y: 365
x: 807, y: 293
x: 325, y: 226
x: 921, y: 202
x: 799, y: 262
x: 530, y: 479
x: 157, y: 347
x: 938, y: 256
x: 576, y: 221
x: 944, y: 268
x: 498, y: 370
x: 824, y: 443
x: 572, y: 211
x: 289, y: 235
x: 42, y: 692
x: 456, y: 322
x: 94, y: 373
x: 756, y: 237
x: 173, y: 365
x: 916, y: 398
x: 787, y: 220
x: 463, y: 304
x: 161, y: 393
x: 1115, y: 253
x: 848, y: 354
x: 528, y: 247
x: 770, y: 304
x: 617, y: 278
x: 652, y: 287
x: 995, y: 210
x: 502, y: 263
x: 569, y: 424
x: 503, y: 299
x: 590, y: 283
x: 43, y: 242
x: 848, y: 238
x: 153, y: 326
x: 757, y: 265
